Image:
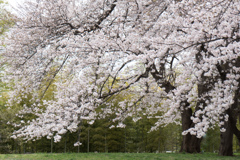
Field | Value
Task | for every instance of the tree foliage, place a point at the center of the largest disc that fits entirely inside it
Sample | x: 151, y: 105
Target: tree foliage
x: 6, y: 18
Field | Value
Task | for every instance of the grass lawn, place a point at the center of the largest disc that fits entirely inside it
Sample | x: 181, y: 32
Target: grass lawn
x: 115, y: 156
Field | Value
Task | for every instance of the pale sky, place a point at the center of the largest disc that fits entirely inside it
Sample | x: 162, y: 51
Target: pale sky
x: 14, y: 3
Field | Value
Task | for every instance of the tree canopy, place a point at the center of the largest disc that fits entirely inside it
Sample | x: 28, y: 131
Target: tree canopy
x: 178, y: 57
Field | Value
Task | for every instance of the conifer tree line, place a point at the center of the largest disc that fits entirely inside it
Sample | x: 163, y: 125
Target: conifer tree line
x: 97, y: 138
x: 121, y: 76
x: 134, y: 138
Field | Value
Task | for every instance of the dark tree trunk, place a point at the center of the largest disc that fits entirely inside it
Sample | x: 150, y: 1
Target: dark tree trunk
x: 190, y: 143
x: 234, y: 114
x: 230, y: 126
x: 226, y: 140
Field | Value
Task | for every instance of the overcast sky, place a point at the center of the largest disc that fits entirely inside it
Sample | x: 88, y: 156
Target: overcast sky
x: 14, y: 3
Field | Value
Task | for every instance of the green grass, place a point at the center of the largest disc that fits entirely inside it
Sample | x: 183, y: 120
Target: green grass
x: 115, y: 156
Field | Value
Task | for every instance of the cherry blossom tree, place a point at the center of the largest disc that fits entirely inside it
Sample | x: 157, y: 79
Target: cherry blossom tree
x: 182, y: 54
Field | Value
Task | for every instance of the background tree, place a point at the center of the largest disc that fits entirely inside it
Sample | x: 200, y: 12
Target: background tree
x: 6, y: 18
x: 211, y: 141
x: 6, y: 115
